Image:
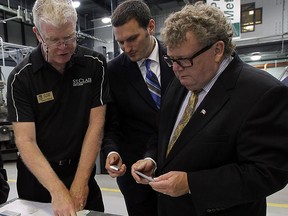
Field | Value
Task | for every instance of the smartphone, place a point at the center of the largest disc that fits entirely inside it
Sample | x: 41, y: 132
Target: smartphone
x: 150, y: 179
x: 115, y: 167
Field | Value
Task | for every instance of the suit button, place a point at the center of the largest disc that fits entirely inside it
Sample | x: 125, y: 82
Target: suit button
x: 209, y: 210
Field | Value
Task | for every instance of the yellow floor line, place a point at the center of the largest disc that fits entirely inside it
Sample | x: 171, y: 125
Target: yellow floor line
x: 277, y: 205
x: 110, y: 190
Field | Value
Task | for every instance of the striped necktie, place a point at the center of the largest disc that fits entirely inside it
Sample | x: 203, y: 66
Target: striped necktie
x: 184, y: 120
x: 153, y: 84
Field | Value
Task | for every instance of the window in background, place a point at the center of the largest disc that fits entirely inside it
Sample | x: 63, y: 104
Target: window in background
x: 258, y: 16
x: 250, y: 16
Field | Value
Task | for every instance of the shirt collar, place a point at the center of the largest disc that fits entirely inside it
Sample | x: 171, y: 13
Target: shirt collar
x: 221, y: 68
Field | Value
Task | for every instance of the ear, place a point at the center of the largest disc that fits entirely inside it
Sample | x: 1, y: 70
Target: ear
x: 151, y: 26
x: 35, y: 30
x: 219, y: 51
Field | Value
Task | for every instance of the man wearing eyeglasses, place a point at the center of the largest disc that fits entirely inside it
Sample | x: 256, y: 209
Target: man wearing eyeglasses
x: 223, y: 134
x: 56, y: 101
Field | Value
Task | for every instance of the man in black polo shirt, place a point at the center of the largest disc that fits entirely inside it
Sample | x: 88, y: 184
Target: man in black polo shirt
x: 56, y: 101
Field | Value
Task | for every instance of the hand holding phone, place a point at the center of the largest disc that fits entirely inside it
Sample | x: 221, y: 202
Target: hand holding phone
x: 150, y: 179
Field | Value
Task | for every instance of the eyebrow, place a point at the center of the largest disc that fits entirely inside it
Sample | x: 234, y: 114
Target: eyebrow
x: 51, y: 38
x: 131, y: 38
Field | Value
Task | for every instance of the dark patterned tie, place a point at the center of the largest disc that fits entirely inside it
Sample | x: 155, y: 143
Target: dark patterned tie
x: 184, y: 120
x: 153, y: 84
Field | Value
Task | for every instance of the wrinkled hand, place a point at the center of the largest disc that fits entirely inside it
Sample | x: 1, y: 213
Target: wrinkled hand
x: 79, y: 194
x: 173, y: 183
x: 62, y: 203
x: 144, y: 166
x: 115, y: 159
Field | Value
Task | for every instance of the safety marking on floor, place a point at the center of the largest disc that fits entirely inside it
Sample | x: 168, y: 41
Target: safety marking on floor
x: 110, y: 190
x: 277, y: 205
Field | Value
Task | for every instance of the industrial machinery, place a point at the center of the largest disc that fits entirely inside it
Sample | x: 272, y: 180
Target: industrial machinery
x: 12, y: 54
x: 7, y: 142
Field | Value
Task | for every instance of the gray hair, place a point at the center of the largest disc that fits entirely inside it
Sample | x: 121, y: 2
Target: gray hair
x: 207, y: 23
x: 54, y: 12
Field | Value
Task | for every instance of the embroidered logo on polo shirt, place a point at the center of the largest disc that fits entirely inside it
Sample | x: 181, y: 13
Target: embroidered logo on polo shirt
x: 81, y: 81
x: 45, y: 97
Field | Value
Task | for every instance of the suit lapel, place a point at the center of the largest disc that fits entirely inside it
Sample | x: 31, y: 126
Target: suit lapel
x: 168, y: 115
x: 133, y: 74
x: 210, y: 106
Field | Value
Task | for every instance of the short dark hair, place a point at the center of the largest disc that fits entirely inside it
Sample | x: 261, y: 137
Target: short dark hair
x: 131, y: 9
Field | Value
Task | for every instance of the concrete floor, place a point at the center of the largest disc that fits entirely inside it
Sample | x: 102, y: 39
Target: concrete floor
x: 114, y: 202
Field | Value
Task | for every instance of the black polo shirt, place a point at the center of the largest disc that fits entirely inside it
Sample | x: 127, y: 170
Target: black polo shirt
x: 59, y: 104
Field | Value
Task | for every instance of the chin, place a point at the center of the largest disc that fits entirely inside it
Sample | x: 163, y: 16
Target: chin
x: 185, y: 83
x: 63, y: 59
x: 133, y: 58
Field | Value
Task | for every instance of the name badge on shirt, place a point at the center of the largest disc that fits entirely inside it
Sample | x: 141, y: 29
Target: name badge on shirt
x: 45, y: 97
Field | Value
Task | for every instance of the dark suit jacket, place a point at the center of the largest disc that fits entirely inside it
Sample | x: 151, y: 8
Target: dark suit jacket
x: 132, y: 117
x: 235, y: 153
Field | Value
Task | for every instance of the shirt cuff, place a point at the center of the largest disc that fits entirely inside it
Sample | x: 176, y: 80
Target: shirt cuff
x: 114, y: 152
x: 155, y: 164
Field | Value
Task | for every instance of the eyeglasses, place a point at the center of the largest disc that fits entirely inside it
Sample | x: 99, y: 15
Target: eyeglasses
x: 186, y: 62
x: 57, y: 43
x: 68, y: 41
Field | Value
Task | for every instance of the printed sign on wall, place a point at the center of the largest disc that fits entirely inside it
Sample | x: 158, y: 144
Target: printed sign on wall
x: 231, y: 9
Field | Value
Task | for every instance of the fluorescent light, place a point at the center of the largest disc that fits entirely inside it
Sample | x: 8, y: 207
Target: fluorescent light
x: 106, y: 20
x: 255, y: 56
x: 76, y: 4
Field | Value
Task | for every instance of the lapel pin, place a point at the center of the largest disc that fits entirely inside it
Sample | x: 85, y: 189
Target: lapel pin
x: 203, y: 111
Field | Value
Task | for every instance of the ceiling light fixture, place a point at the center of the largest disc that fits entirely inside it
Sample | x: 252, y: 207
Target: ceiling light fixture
x: 106, y: 20
x: 255, y: 56
x: 76, y: 4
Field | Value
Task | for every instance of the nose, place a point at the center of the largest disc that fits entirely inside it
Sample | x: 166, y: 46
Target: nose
x: 62, y: 44
x: 176, y: 66
x: 126, y: 47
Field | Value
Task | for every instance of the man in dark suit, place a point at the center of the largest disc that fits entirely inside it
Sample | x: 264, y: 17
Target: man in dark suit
x: 233, y: 151
x: 131, y: 119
